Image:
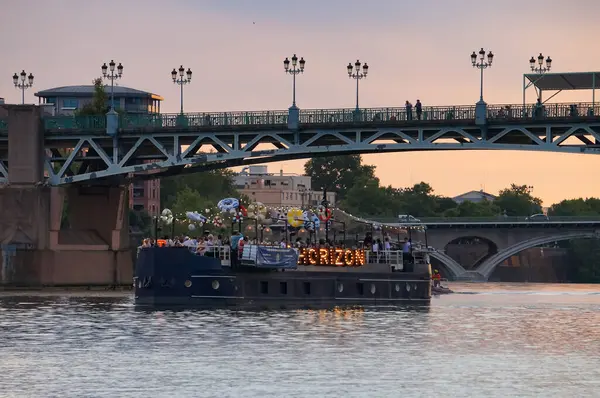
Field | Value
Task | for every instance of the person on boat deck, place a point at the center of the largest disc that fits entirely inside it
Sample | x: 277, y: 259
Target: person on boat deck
x: 283, y: 243
x: 406, y: 251
x: 241, y: 244
x: 437, y: 278
x: 234, y: 241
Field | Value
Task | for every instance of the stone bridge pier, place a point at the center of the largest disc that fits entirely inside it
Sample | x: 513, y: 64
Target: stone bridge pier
x: 505, y: 242
x: 36, y: 251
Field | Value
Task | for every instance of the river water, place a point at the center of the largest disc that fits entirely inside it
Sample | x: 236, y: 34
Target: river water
x: 493, y: 340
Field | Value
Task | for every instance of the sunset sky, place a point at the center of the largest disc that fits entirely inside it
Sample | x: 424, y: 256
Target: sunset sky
x: 415, y: 49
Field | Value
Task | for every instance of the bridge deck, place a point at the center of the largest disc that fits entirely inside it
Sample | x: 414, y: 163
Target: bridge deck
x: 320, y: 118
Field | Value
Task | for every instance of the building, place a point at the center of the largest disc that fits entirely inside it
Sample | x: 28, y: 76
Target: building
x: 143, y: 195
x: 68, y: 99
x: 474, y: 196
x: 279, y: 190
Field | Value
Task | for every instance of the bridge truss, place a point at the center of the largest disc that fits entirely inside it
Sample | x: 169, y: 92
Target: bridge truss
x: 83, y: 155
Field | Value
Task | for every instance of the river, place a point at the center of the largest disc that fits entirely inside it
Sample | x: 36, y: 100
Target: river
x: 493, y: 340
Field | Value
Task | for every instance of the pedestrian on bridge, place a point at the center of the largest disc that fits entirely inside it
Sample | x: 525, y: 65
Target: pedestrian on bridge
x: 419, y: 109
x: 408, y: 110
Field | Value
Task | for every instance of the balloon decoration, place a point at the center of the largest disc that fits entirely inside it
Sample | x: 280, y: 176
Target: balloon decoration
x: 295, y: 218
x: 324, y: 213
x: 217, y: 222
x: 243, y: 210
x: 191, y: 227
x: 228, y: 204
x: 258, y: 211
x: 311, y: 221
x: 167, y: 216
x: 195, y: 217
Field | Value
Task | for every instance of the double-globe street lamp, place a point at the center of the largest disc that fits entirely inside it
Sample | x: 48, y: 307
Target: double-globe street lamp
x: 481, y: 64
x: 540, y: 60
x: 182, y: 80
x: 357, y: 73
x: 112, y: 117
x: 297, y: 68
x: 21, y: 84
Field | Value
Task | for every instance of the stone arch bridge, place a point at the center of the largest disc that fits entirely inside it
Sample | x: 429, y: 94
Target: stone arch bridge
x: 508, y: 236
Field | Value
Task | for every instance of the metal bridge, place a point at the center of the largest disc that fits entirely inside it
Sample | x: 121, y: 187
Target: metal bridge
x: 495, y: 222
x: 143, y: 146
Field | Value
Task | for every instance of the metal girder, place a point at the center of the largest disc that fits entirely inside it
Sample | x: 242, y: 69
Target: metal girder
x: 81, y: 158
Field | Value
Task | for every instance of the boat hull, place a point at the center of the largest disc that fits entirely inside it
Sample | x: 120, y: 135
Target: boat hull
x: 174, y: 277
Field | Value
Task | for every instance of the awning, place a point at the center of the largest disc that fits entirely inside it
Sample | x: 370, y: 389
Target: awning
x: 564, y: 81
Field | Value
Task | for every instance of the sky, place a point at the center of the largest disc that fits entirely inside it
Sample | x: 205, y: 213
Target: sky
x: 415, y: 49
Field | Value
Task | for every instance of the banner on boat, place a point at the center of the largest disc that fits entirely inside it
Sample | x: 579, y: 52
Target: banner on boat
x: 338, y: 257
x: 276, y: 257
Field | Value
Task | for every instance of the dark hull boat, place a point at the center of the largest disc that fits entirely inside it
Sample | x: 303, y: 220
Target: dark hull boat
x: 280, y: 278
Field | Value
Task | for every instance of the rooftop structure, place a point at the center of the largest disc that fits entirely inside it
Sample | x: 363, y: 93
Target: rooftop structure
x: 68, y: 99
x: 473, y: 196
x: 279, y: 190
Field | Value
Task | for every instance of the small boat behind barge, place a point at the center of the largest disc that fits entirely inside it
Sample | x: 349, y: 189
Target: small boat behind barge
x: 170, y: 277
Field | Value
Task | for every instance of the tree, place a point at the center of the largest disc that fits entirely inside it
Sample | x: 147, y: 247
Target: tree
x: 338, y: 173
x: 99, y: 104
x: 584, y: 255
x: 576, y: 207
x: 366, y: 197
x: 211, y: 185
x: 518, y: 201
x: 467, y: 208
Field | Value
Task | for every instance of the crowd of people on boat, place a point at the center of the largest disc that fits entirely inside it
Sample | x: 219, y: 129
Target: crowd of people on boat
x: 379, y: 249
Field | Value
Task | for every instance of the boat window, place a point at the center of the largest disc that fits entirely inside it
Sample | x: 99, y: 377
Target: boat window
x: 283, y: 287
x: 373, y: 288
x: 360, y: 289
x: 306, y: 287
x: 264, y: 287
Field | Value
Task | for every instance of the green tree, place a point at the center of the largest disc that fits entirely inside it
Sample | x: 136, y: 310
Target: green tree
x: 584, y: 255
x: 99, y: 104
x: 338, y: 173
x: 518, y: 200
x: 366, y: 197
x: 212, y: 185
x: 576, y: 207
x: 467, y: 208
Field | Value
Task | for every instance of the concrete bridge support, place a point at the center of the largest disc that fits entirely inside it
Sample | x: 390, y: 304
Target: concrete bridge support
x: 35, y: 250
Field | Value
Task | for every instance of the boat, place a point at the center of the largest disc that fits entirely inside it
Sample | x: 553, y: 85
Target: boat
x: 437, y: 290
x: 282, y: 277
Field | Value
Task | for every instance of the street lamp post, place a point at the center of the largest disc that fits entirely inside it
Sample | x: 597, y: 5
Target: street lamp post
x: 540, y: 60
x: 21, y: 84
x: 112, y: 117
x: 297, y: 68
x: 325, y: 204
x: 182, y: 80
x: 481, y: 106
x: 357, y: 74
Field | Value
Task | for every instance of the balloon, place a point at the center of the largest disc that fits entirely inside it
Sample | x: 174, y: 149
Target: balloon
x: 195, y: 216
x: 324, y: 213
x: 217, y: 221
x: 228, y: 204
x: 167, y: 213
x: 295, y: 217
x: 191, y: 227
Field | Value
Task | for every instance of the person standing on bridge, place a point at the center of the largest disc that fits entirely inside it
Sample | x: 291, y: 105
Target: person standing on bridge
x: 408, y: 106
x: 419, y: 109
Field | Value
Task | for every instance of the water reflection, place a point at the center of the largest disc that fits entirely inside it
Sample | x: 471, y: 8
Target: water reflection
x: 504, y: 340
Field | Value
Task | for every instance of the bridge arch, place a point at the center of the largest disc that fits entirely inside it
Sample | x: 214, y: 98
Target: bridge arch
x: 451, y: 265
x: 473, y: 249
x: 488, y: 266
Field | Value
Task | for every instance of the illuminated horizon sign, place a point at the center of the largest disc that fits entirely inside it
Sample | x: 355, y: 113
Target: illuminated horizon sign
x: 336, y: 257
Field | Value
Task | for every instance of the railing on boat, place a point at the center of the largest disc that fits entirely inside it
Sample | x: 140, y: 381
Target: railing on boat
x: 384, y: 257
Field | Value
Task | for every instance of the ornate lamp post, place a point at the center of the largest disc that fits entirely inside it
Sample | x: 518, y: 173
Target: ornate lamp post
x: 112, y: 77
x: 112, y: 118
x: 357, y: 74
x: 297, y: 68
x: 540, y: 60
x: 21, y: 84
x: 481, y: 106
x: 181, y: 80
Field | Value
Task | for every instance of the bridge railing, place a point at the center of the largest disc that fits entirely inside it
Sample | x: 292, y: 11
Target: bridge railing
x: 484, y: 220
x: 320, y: 116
